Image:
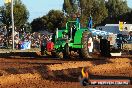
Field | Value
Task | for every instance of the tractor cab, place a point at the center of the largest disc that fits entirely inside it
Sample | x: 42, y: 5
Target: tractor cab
x: 71, y: 28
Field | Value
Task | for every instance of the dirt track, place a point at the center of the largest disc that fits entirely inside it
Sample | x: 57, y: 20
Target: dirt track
x: 49, y: 73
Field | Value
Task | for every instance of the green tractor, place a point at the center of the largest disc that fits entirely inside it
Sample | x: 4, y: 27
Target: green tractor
x: 74, y: 38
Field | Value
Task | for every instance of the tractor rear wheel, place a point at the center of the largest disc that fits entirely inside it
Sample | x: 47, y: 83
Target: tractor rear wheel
x: 90, y: 46
x: 66, y: 51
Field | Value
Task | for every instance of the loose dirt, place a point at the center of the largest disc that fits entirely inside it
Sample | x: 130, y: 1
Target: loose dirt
x: 54, y: 73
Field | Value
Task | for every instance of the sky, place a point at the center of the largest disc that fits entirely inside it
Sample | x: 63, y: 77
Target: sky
x: 38, y: 8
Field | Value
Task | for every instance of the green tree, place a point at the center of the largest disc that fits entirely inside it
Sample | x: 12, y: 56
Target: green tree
x: 126, y: 17
x: 5, y: 15
x: 54, y: 19
x: 71, y: 8
x: 37, y: 24
x: 67, y: 7
x: 99, y: 11
x: 117, y: 11
x: 21, y: 14
x: 117, y: 7
x: 95, y: 8
x: 27, y: 27
x: 102, y: 11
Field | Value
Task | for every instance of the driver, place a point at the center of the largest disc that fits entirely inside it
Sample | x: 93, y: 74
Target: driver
x: 73, y: 31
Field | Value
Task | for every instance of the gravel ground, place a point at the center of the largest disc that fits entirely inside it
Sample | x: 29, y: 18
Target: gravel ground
x: 49, y: 73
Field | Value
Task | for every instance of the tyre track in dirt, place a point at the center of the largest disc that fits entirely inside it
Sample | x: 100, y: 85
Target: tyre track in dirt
x: 58, y: 73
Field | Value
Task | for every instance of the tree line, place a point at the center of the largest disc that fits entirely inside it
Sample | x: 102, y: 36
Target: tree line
x: 102, y: 12
x: 21, y: 14
x: 54, y: 19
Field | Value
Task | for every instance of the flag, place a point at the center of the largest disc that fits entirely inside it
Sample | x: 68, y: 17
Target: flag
x: 7, y: 1
x: 77, y: 20
x: 120, y: 26
x: 90, y: 22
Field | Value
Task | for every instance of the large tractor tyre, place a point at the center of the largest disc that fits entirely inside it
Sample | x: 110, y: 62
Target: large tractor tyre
x: 85, y: 51
x: 66, y: 51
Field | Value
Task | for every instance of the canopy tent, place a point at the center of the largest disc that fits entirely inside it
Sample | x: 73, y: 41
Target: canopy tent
x: 99, y: 32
